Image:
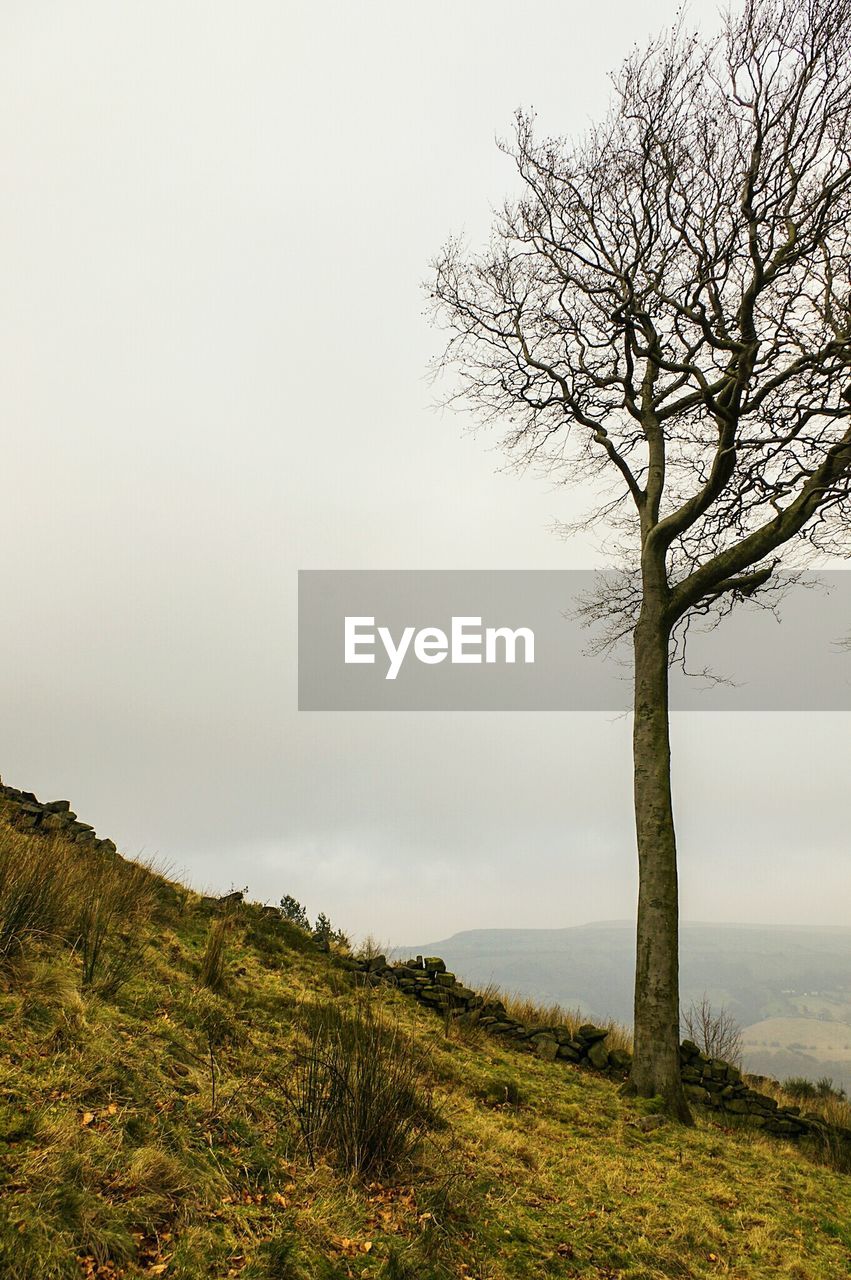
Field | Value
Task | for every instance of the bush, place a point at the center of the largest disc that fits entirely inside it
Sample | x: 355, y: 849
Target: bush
x: 715, y: 1031
x: 800, y: 1088
x: 356, y: 1089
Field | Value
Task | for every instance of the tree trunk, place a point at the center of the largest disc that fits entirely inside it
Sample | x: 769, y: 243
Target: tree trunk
x: 656, y: 1058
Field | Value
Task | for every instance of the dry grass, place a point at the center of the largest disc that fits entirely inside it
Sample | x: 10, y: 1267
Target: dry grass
x: 535, y: 1013
x: 214, y: 961
x: 55, y: 893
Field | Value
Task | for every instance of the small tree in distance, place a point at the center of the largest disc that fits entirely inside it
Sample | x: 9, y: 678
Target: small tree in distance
x: 663, y: 316
x: 715, y: 1031
x: 292, y: 910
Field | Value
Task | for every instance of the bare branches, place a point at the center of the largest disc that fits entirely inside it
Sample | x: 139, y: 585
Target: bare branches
x: 668, y: 301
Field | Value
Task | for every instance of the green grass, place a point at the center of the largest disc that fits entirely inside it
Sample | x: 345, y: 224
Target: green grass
x: 148, y: 1132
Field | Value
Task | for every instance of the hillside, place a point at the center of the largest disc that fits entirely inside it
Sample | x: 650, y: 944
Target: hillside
x: 798, y: 977
x: 156, y: 1085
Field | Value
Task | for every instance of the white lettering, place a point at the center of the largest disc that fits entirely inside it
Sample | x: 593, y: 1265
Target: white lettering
x: 396, y: 655
x: 352, y: 640
x: 492, y: 634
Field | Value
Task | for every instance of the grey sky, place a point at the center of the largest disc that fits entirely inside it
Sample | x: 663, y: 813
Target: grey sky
x: 215, y: 218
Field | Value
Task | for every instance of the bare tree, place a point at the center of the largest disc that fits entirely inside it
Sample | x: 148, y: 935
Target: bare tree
x: 715, y: 1031
x: 663, y: 314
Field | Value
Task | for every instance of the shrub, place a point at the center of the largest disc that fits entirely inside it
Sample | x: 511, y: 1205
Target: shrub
x: 825, y: 1088
x: 800, y: 1088
x: 356, y: 1090
x: 715, y: 1031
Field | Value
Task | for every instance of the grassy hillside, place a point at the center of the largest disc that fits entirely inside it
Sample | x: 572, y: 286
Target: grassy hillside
x: 164, y: 1059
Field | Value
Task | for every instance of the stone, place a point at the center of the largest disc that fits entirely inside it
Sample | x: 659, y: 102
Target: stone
x: 689, y: 1049
x: 648, y: 1123
x: 589, y: 1033
x: 781, y: 1126
x: 57, y: 806
x: 598, y: 1055
x: 620, y: 1059
x: 434, y: 995
x: 545, y: 1046
x: 445, y: 979
x: 696, y: 1093
x: 435, y: 964
x: 568, y: 1053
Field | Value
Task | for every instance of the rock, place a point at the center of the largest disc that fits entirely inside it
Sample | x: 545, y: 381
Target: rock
x: 648, y: 1123
x: 589, y: 1033
x: 445, y: 979
x: 598, y: 1055
x: 545, y: 1046
x: 781, y: 1126
x: 689, y: 1049
x: 433, y: 995
x: 620, y: 1059
x: 568, y: 1053
x: 695, y: 1093
x: 739, y: 1106
x: 435, y: 964
x: 231, y: 899
x: 57, y: 806
x: 464, y: 993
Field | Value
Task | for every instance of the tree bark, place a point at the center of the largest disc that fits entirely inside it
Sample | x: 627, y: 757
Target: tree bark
x: 656, y: 1058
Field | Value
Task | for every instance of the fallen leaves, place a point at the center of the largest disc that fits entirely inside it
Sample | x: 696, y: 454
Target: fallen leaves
x: 348, y: 1248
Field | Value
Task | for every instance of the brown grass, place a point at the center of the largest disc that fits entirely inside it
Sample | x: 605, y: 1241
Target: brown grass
x: 55, y: 893
x: 540, y: 1014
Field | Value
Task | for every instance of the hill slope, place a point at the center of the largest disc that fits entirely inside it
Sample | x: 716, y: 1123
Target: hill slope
x: 155, y: 1125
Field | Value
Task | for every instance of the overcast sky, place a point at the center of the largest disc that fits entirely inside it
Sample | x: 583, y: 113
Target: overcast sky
x: 214, y: 224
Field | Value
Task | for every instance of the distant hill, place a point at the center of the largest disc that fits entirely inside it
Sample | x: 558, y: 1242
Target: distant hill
x: 799, y: 977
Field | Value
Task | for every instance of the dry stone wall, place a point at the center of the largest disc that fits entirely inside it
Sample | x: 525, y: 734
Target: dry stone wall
x: 708, y: 1082
x: 23, y: 811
